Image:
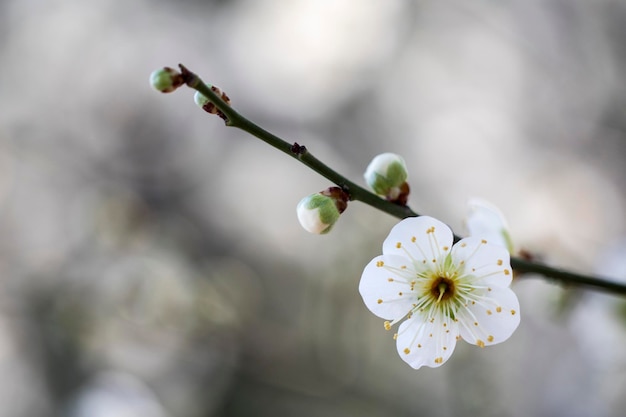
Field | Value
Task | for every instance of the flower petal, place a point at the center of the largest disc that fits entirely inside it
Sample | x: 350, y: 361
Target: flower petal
x: 490, y: 320
x: 385, y: 286
x: 490, y: 264
x: 423, y: 239
x: 486, y: 221
x: 423, y: 342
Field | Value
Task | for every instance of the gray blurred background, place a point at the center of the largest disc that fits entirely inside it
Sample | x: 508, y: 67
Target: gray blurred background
x: 151, y: 262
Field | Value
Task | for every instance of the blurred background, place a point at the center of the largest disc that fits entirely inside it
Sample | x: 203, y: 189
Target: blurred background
x: 151, y: 261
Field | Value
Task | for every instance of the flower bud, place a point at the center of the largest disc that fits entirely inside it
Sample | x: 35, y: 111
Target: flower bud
x: 486, y: 221
x: 318, y: 212
x: 166, y: 80
x: 205, y: 104
x: 386, y: 175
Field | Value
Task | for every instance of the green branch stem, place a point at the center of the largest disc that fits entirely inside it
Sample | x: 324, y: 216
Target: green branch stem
x: 358, y: 193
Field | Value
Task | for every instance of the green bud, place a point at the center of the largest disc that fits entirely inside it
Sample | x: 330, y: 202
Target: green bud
x: 200, y: 99
x: 205, y: 104
x: 166, y: 80
x: 386, y: 175
x: 319, y: 212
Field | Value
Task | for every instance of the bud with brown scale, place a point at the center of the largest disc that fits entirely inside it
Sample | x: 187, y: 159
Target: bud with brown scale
x: 386, y: 175
x: 166, y: 80
x: 205, y: 104
x: 319, y: 212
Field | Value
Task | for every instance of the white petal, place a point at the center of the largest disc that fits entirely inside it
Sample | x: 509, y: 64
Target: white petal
x: 310, y: 220
x: 385, y: 286
x: 486, y: 221
x: 423, y: 239
x: 490, y: 320
x: 490, y: 264
x: 487, y: 212
x: 422, y: 342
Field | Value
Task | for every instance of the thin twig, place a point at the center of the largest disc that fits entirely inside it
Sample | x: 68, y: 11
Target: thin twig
x: 358, y: 193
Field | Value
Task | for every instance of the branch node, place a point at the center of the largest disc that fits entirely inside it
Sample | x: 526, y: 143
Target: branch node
x: 297, y: 149
x: 189, y: 77
x: 346, y: 189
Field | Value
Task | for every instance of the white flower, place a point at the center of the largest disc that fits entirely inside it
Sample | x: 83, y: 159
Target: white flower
x: 442, y: 292
x: 486, y: 221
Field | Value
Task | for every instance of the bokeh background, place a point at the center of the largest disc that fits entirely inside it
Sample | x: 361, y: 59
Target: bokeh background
x: 151, y: 262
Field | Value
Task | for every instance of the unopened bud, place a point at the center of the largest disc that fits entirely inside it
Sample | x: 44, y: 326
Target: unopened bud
x: 166, y: 80
x: 205, y: 104
x: 386, y: 175
x: 319, y: 212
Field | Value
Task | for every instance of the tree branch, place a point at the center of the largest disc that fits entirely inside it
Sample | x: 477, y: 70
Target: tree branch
x: 358, y: 193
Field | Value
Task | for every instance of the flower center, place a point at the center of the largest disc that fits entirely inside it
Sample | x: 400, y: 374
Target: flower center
x: 442, y: 289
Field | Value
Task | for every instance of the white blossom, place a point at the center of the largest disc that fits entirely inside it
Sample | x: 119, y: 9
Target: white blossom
x: 440, y: 292
x: 486, y: 221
